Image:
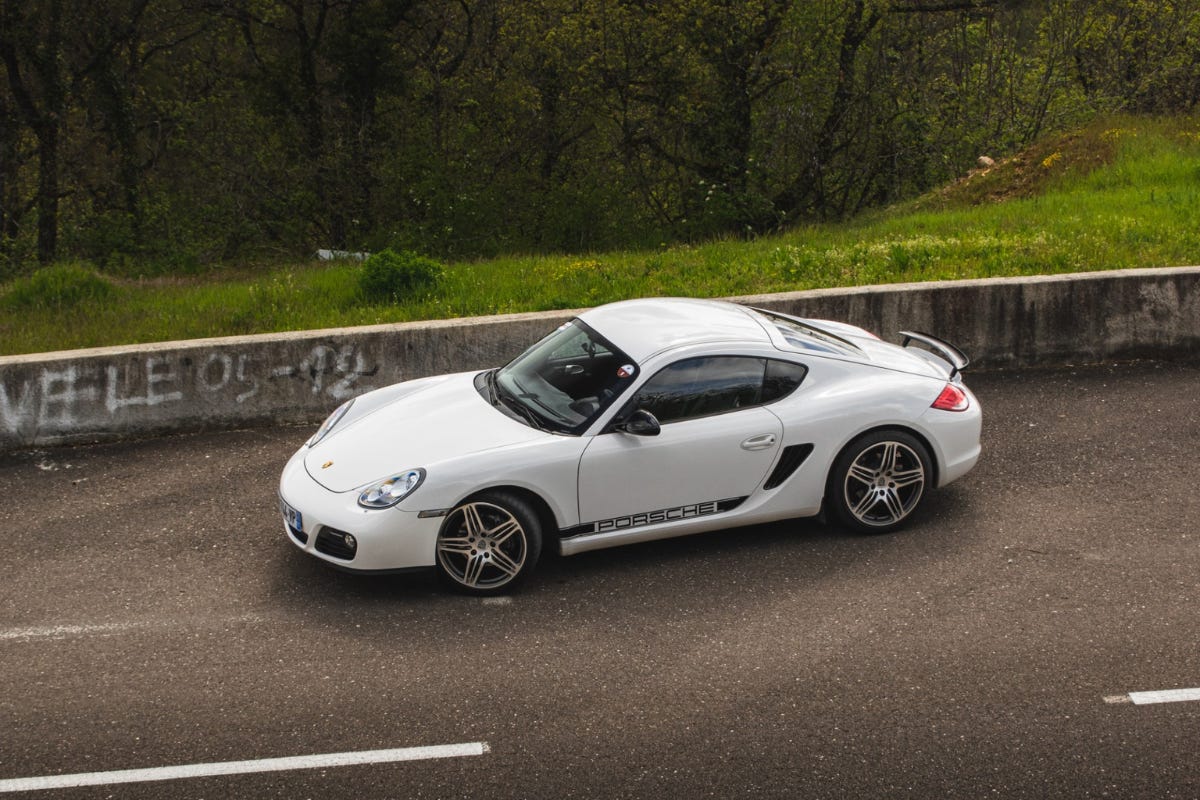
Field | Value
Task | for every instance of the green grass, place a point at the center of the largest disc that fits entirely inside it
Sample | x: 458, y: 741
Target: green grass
x: 1124, y: 192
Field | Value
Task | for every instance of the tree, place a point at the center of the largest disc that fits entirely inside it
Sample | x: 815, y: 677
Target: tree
x: 31, y: 49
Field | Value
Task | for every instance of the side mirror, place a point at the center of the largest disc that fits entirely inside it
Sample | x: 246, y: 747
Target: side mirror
x: 641, y: 423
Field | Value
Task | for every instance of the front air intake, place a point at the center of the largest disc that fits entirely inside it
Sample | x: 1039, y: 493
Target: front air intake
x: 338, y: 544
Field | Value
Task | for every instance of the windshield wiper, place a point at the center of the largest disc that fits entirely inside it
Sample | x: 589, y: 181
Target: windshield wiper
x: 536, y: 398
x: 493, y: 392
x: 526, y: 413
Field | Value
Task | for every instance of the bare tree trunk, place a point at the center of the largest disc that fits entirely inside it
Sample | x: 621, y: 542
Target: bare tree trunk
x: 47, y: 192
x: 20, y: 49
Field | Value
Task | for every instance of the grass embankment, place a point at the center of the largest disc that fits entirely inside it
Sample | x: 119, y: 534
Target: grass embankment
x: 1121, y: 193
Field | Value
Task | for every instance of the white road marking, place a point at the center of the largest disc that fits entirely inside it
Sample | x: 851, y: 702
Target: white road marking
x: 245, y: 767
x: 1162, y: 696
x: 37, y: 632
x: 65, y: 631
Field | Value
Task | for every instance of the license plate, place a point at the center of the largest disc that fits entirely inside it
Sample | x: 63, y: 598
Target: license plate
x: 291, y: 516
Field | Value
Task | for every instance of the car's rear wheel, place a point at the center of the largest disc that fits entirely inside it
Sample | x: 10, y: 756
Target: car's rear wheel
x: 489, y: 544
x: 879, y: 481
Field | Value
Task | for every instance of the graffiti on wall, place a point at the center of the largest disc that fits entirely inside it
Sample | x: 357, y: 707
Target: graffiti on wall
x: 69, y: 396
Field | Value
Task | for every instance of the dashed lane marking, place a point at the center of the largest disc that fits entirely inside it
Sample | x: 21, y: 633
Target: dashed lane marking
x: 1162, y: 696
x: 42, y: 632
x: 66, y: 631
x: 245, y: 767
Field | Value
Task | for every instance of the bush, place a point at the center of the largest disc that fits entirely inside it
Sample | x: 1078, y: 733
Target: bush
x: 391, y: 277
x: 58, y: 286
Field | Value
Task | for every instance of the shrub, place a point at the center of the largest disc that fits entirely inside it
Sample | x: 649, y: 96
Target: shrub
x: 391, y: 277
x: 58, y: 286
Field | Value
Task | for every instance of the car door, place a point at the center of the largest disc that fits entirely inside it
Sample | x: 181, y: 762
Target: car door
x: 716, y: 443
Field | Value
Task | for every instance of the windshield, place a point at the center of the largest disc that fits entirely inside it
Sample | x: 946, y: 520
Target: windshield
x: 565, y: 381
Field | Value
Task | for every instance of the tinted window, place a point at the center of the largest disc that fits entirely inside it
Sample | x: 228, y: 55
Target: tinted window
x: 699, y: 387
x: 782, y: 379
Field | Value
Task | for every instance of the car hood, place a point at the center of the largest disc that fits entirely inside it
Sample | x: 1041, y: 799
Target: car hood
x: 905, y: 359
x: 886, y: 354
x: 441, y: 421
x: 861, y: 346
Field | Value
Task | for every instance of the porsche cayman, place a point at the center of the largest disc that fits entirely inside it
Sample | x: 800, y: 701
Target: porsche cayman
x: 638, y: 420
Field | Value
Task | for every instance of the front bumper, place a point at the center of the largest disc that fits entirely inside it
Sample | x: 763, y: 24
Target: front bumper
x: 384, y: 540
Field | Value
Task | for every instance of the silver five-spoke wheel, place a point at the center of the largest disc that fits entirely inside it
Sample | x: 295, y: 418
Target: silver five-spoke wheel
x: 488, y: 543
x: 879, y: 480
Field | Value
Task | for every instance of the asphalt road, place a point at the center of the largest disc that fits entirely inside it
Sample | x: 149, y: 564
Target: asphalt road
x: 152, y: 614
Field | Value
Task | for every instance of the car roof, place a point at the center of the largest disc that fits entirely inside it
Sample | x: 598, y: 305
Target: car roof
x: 647, y: 326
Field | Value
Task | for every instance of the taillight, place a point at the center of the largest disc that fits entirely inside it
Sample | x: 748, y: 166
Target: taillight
x: 952, y: 398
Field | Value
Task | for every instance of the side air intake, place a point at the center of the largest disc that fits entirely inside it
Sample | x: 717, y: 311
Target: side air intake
x: 793, y: 456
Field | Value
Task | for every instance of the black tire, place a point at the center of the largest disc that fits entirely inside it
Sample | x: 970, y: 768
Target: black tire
x: 488, y: 544
x: 879, y: 481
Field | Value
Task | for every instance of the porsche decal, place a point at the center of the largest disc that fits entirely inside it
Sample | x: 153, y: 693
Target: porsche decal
x: 655, y: 517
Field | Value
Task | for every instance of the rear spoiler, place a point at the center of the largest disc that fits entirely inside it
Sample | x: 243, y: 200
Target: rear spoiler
x: 956, y: 358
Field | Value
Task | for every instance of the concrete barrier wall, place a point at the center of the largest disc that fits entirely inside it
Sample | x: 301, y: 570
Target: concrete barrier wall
x: 138, y: 390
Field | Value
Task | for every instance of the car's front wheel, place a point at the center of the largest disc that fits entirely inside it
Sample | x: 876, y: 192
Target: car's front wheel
x: 489, y: 544
x: 879, y: 480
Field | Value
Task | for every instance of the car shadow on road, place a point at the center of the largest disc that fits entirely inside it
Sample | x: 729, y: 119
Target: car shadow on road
x: 787, y: 548
x: 716, y: 570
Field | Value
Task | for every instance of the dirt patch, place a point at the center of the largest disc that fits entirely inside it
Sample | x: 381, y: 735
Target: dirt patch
x: 1029, y: 173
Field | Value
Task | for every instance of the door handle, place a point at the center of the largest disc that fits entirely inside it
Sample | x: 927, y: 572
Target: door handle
x: 760, y: 442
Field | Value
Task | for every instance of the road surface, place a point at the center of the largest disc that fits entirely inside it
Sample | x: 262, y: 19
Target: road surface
x: 153, y: 615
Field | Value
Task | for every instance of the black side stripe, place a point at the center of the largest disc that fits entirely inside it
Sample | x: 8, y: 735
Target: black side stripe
x: 691, y: 511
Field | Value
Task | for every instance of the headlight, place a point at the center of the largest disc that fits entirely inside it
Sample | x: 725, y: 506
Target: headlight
x: 391, y: 491
x: 330, y: 421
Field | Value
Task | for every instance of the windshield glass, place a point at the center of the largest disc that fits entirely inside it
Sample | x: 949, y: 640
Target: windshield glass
x: 805, y: 336
x: 566, y: 380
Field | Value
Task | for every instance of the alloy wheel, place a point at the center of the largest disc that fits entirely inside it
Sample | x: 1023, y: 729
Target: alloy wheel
x: 482, y: 546
x: 884, y: 483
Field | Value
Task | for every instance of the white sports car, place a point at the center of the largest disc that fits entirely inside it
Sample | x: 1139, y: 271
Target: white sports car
x: 637, y: 420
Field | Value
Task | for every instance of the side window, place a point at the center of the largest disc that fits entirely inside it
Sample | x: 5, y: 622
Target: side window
x: 699, y: 387
x: 782, y: 379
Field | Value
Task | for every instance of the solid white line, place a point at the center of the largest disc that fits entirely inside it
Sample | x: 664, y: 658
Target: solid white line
x: 1164, y: 696
x: 244, y: 767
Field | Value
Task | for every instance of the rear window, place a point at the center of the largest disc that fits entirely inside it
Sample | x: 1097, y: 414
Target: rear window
x: 781, y: 379
x: 808, y: 337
